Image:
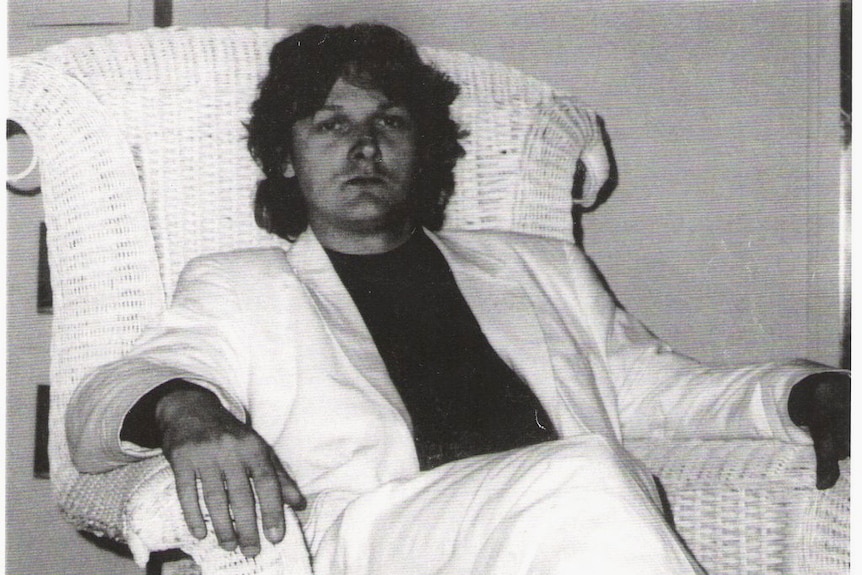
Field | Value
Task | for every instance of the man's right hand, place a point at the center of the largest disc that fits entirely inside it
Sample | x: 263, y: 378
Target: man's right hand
x: 203, y: 441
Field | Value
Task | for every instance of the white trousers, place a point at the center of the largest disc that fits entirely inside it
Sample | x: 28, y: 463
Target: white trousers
x: 574, y: 506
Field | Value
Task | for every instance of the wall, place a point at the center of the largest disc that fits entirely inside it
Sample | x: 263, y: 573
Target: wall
x: 722, y: 235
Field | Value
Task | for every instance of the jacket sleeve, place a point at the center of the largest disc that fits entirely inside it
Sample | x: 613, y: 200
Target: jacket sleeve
x: 662, y: 394
x: 197, y: 339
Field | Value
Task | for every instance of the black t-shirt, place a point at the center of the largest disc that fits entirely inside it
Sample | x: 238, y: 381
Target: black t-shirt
x: 463, y: 399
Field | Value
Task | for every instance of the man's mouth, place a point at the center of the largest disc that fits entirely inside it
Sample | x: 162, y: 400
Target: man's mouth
x: 366, y: 180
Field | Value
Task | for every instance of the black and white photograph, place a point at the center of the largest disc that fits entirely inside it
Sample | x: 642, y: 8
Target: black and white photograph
x: 325, y: 287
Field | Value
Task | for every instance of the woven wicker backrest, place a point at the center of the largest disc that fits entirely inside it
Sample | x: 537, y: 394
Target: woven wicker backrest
x: 144, y: 164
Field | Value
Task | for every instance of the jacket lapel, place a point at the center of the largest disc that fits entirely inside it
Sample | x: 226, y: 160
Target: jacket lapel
x: 312, y: 266
x: 505, y: 314
x: 504, y: 298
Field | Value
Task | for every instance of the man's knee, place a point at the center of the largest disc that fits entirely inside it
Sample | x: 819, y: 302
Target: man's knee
x: 597, y: 460
x: 604, y: 456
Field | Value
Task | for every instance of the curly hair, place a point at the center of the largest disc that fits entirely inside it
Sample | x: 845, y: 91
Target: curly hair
x: 303, y: 69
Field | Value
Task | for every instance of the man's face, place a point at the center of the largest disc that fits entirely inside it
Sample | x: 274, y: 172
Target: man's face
x: 354, y: 159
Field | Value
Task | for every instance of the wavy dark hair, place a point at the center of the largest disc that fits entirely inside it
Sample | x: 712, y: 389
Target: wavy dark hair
x: 303, y: 69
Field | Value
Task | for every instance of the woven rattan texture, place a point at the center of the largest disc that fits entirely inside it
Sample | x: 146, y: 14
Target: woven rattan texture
x: 142, y: 154
x: 749, y: 507
x: 104, y: 268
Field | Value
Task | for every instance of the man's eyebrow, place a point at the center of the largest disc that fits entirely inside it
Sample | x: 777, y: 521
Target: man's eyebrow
x: 387, y: 105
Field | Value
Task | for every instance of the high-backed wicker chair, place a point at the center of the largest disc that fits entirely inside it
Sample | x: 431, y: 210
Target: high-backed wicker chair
x: 141, y: 148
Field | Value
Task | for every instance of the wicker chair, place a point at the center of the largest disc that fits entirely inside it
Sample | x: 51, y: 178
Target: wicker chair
x: 142, y: 155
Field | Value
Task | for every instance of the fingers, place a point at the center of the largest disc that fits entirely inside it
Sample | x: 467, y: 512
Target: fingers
x: 230, y: 487
x: 829, y: 426
x: 217, y: 503
x: 237, y: 470
x: 827, y: 472
x: 827, y: 458
x: 241, y: 499
x: 187, y: 492
x: 269, y: 496
x: 821, y: 402
x: 290, y: 493
x: 274, y: 488
x: 841, y: 431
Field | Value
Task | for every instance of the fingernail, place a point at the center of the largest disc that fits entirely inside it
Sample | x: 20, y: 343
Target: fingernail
x: 274, y: 534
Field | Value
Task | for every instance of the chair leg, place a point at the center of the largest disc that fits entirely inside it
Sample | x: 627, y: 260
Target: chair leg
x: 171, y: 562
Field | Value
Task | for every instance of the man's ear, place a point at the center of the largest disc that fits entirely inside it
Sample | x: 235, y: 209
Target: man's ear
x: 289, y: 172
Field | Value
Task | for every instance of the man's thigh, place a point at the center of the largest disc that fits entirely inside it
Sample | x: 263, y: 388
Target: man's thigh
x: 557, y: 507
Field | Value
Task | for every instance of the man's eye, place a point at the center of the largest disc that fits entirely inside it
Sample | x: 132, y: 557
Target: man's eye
x: 393, y: 122
x: 331, y: 125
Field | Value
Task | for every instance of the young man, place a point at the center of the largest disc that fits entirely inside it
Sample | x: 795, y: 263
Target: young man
x: 429, y: 403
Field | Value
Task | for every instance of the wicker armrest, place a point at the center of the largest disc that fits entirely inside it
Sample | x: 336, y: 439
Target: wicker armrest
x: 96, y: 502
x: 750, y: 506
x: 138, y: 504
x: 153, y: 521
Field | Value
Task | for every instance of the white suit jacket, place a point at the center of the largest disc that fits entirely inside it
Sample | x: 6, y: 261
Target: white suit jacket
x: 276, y: 335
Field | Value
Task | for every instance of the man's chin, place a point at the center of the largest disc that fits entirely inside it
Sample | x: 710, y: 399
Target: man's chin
x: 375, y: 225
x: 380, y: 216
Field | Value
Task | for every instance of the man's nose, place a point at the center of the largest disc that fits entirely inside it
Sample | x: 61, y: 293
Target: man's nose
x: 366, y: 147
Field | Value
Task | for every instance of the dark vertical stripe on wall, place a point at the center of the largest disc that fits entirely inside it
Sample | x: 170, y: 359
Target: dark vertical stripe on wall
x: 846, y: 56
x: 41, y: 466
x: 44, y: 295
x: 847, y: 124
x: 163, y: 13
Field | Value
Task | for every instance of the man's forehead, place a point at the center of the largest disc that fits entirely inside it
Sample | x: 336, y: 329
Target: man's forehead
x: 347, y: 95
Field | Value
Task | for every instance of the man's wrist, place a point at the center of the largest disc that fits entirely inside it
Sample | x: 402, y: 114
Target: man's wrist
x: 178, y: 395
x: 141, y: 424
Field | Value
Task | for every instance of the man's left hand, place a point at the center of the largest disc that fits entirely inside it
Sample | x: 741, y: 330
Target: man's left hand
x: 821, y: 402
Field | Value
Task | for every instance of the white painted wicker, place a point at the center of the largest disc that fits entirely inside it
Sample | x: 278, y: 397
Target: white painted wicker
x: 143, y: 161
x: 750, y: 507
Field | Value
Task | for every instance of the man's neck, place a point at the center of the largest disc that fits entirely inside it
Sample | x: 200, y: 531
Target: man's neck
x: 359, y: 242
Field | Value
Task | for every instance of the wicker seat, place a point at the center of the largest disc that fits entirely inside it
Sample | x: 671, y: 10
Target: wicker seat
x: 142, y: 154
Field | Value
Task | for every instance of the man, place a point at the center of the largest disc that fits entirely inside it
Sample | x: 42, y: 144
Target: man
x: 428, y: 403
